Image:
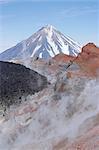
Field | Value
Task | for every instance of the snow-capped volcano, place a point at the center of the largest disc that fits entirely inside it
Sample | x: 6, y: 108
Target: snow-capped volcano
x: 45, y: 43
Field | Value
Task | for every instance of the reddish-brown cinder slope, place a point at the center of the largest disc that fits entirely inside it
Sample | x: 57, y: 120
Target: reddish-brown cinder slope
x: 88, y: 60
x: 63, y: 58
x: 88, y: 141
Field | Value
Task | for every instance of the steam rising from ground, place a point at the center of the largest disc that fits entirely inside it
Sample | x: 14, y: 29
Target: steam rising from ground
x: 50, y: 118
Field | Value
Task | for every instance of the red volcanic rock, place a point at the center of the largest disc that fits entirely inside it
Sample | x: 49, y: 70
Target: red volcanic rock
x: 90, y: 47
x: 63, y: 58
x: 88, y: 141
x: 88, y: 60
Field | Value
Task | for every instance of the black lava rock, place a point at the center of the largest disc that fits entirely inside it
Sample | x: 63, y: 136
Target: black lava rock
x: 16, y: 81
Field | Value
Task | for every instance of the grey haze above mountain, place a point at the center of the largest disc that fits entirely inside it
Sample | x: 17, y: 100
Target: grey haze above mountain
x: 45, y: 43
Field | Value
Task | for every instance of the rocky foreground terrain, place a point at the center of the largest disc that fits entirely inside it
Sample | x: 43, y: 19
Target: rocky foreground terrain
x: 63, y: 116
x: 17, y: 81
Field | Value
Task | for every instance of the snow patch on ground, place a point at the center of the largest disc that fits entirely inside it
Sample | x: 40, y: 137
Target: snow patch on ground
x: 34, y: 51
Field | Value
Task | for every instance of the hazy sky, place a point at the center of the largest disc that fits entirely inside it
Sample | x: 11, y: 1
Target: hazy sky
x: 20, y: 19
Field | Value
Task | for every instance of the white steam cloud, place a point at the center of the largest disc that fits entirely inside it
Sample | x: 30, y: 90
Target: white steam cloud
x: 52, y: 119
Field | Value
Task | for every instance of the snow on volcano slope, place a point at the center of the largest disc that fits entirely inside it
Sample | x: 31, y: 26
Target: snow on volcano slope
x: 45, y: 43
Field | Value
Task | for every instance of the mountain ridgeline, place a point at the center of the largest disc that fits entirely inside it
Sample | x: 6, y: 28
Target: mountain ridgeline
x: 45, y: 43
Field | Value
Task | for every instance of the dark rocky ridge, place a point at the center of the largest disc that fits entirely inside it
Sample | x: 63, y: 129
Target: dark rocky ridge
x: 16, y: 81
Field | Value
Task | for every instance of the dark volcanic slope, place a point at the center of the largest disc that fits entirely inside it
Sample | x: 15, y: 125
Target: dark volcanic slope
x: 16, y: 81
